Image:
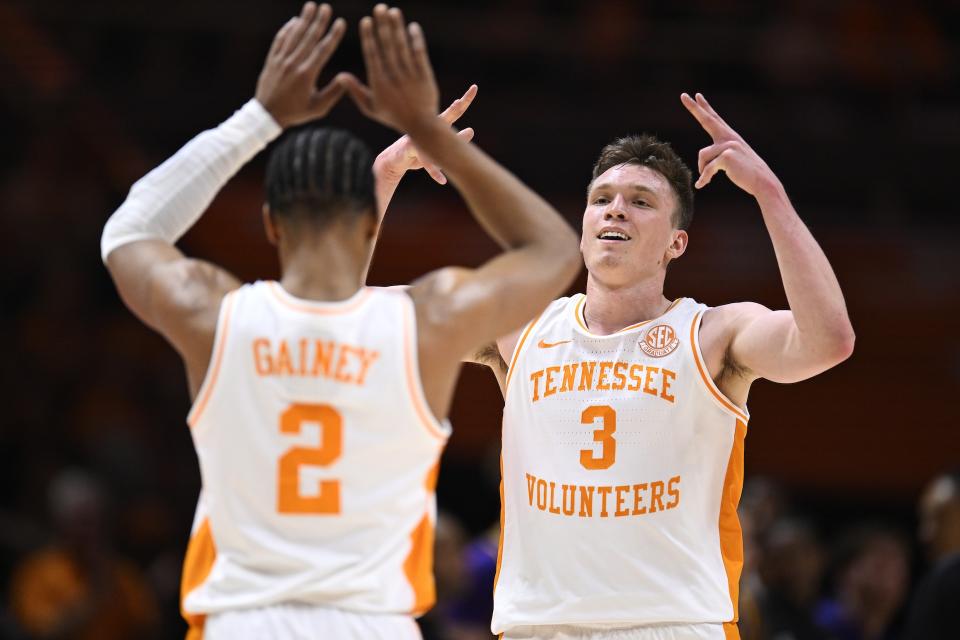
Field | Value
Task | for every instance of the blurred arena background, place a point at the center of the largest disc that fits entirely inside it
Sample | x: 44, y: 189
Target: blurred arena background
x: 853, y: 103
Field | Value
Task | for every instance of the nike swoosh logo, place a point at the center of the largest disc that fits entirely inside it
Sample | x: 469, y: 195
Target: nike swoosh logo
x: 546, y: 345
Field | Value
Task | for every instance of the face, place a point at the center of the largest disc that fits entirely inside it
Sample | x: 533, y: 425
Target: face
x: 628, y: 226
x: 881, y: 574
x: 940, y: 518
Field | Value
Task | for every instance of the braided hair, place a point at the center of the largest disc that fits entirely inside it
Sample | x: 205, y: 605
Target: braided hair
x: 316, y: 174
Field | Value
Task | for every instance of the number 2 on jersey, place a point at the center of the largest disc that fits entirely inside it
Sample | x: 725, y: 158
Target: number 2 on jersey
x: 327, y: 500
x: 605, y: 436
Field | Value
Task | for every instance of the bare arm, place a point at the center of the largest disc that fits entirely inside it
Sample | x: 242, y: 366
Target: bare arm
x: 458, y: 310
x: 815, y: 334
x: 177, y: 296
x: 402, y: 156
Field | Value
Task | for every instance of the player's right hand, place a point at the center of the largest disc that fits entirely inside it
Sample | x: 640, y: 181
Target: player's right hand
x: 287, y: 86
x: 402, y: 92
x: 403, y: 155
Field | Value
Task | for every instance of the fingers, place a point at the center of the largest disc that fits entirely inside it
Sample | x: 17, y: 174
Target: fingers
x: 434, y: 171
x: 459, y: 106
x: 399, y: 36
x: 371, y: 52
x: 323, y: 100
x: 392, y: 41
x: 419, y: 46
x: 299, y: 28
x: 702, y: 101
x: 359, y: 93
x: 321, y: 53
x: 707, y: 154
x: 311, y: 36
x: 706, y: 120
x: 717, y: 164
x: 280, y: 39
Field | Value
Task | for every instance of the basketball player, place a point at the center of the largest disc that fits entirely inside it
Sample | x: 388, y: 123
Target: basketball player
x: 625, y: 412
x: 319, y: 404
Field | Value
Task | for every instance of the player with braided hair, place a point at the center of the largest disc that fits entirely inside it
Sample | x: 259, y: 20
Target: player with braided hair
x: 320, y: 404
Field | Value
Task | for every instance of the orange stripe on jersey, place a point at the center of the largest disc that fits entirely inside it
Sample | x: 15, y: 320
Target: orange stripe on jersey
x: 418, y: 565
x: 578, y: 314
x: 640, y: 324
x: 722, y: 399
x: 516, y: 353
x: 201, y: 552
x: 496, y: 576
x: 414, y: 386
x: 731, y: 631
x: 210, y: 381
x: 731, y: 536
x: 286, y: 300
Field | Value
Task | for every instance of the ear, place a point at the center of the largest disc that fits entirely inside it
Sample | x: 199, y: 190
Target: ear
x: 678, y: 245
x: 371, y: 226
x: 269, y: 226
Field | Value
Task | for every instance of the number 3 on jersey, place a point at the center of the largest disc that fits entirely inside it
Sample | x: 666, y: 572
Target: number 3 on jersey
x: 327, y: 500
x: 605, y: 436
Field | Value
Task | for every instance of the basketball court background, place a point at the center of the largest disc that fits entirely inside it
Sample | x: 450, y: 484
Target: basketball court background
x: 853, y: 104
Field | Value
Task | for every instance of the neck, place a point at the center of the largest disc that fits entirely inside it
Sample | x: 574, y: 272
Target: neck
x: 610, y: 308
x: 322, y: 269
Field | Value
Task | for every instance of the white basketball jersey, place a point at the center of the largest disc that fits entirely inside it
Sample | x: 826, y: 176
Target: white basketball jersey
x: 622, y: 470
x: 318, y: 456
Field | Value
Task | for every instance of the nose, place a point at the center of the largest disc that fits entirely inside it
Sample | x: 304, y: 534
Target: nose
x: 615, y: 210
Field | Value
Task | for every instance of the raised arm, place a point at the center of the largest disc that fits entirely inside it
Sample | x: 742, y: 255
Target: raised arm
x: 815, y: 333
x: 177, y: 296
x: 402, y: 156
x: 459, y: 309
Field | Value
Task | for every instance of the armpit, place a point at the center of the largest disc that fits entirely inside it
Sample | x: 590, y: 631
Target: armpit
x: 490, y: 355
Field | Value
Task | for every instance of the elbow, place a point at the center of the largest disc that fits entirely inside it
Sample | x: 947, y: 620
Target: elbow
x: 841, y: 343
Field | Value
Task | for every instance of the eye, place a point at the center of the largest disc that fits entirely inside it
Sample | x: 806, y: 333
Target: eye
x: 600, y: 200
x: 641, y: 203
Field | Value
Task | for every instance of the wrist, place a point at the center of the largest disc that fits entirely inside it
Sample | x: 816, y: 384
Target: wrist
x: 426, y: 128
x: 385, y: 166
x: 254, y: 118
x: 770, y: 191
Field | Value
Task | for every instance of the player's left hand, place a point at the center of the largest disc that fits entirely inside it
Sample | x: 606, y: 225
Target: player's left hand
x: 729, y: 152
x: 403, y: 155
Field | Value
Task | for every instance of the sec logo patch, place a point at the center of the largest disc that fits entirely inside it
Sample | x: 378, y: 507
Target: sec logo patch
x: 660, y: 340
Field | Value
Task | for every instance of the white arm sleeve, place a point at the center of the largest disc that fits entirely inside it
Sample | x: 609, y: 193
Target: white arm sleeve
x: 166, y: 202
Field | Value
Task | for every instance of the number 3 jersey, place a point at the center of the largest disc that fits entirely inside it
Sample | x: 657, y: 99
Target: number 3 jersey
x: 318, y: 456
x: 622, y: 471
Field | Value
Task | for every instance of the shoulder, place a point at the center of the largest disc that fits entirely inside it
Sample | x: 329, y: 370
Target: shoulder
x: 733, y: 314
x: 434, y: 291
x: 718, y: 330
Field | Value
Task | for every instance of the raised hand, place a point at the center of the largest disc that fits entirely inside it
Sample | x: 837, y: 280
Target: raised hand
x: 287, y: 86
x: 402, y: 92
x: 729, y: 152
x: 403, y: 155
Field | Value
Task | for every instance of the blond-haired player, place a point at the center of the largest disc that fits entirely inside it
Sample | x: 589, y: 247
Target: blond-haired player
x: 319, y: 404
x: 625, y: 412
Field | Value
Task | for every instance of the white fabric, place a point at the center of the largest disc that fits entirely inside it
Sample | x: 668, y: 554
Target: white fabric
x: 374, y: 552
x: 166, y: 202
x: 638, y: 541
x: 303, y: 622
x: 655, y: 632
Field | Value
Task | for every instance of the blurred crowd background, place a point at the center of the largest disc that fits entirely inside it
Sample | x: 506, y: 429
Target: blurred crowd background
x: 854, y: 103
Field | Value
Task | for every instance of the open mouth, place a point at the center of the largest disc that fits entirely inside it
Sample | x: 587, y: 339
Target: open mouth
x: 610, y: 234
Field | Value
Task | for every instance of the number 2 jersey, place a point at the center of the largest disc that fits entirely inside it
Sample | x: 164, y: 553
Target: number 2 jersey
x: 318, y: 456
x: 622, y: 471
